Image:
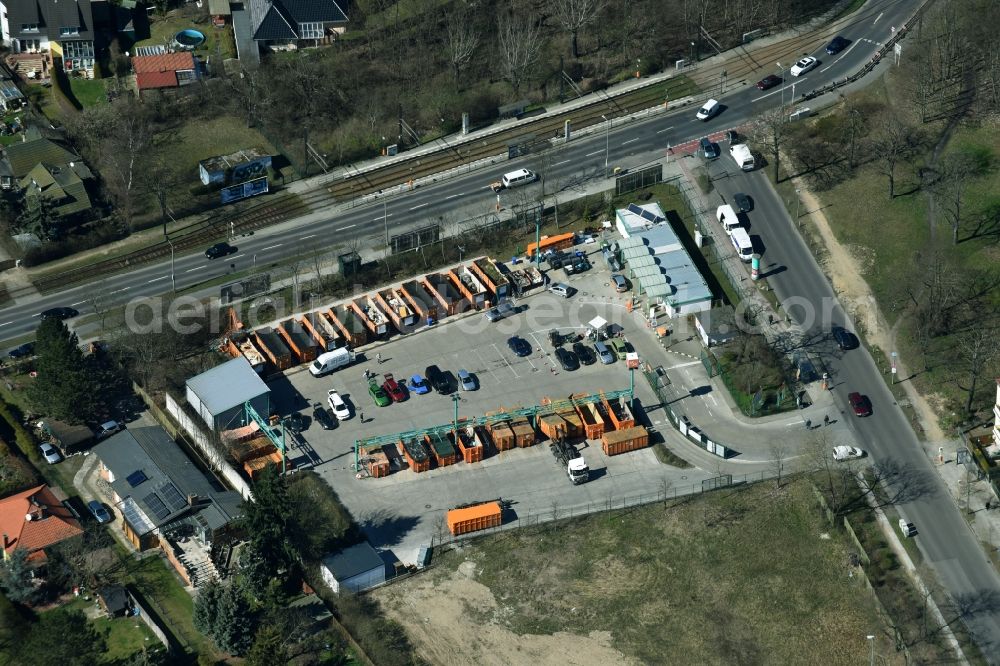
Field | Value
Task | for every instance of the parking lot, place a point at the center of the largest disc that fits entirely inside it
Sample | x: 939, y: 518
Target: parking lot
x: 405, y: 510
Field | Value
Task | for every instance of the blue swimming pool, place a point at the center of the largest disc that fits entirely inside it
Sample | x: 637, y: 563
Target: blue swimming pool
x: 189, y: 39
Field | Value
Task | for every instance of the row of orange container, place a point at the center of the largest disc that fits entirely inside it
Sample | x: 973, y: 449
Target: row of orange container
x: 474, y: 518
x: 477, y: 284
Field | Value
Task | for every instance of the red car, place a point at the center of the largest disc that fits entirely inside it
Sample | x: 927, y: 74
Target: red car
x: 860, y: 404
x: 768, y: 81
x: 392, y: 387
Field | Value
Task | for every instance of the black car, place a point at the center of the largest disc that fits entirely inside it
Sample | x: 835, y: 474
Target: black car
x: 768, y: 82
x: 323, y: 418
x: 743, y: 203
x: 22, y: 351
x: 845, y: 339
x: 708, y: 149
x: 837, y: 45
x: 519, y: 346
x: 58, y: 313
x: 567, y: 359
x: 438, y: 379
x: 219, y: 250
x: 732, y: 136
x: 584, y: 353
x: 295, y: 423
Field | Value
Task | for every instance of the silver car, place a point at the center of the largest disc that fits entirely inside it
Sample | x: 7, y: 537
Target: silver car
x: 604, y: 353
x: 560, y: 289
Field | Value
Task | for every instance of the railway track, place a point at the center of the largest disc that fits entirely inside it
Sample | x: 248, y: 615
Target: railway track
x: 452, y: 155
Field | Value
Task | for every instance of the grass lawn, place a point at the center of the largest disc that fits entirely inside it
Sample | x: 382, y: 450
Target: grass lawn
x: 163, y: 28
x: 43, y: 97
x: 125, y: 636
x: 89, y: 92
x: 193, y: 142
x: 748, y: 575
x: 170, y: 603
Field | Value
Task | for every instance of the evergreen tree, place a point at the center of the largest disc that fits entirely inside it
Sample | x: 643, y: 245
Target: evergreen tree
x: 16, y: 578
x: 38, y: 216
x: 234, y: 624
x: 66, y: 386
x: 270, y: 550
x: 206, y: 608
x: 268, y: 648
x: 61, y: 638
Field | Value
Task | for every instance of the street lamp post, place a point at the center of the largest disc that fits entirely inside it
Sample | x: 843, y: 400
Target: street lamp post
x: 782, y: 68
x: 871, y: 643
x: 173, y: 283
x: 607, y: 143
x: 797, y: 201
x: 385, y: 220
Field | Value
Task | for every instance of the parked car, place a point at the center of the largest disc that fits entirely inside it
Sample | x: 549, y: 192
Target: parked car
x: 908, y: 529
x: 732, y: 136
x: 604, y: 353
x: 560, y: 289
x: 50, y: 453
x: 837, y: 44
x: 219, y: 250
x: 98, y: 511
x: 708, y: 149
x: 501, y: 311
x: 323, y: 418
x: 578, y: 265
x: 803, y: 66
x: 378, y: 394
x: 742, y: 202
x: 419, y: 385
x: 392, y: 387
x: 58, y: 313
x: 845, y: 339
x: 620, y: 283
x: 769, y: 82
x: 295, y: 423
x: 567, y: 359
x: 847, y: 452
x: 620, y: 347
x: 438, y: 379
x: 861, y: 405
x: 584, y: 353
x: 519, y: 346
x: 22, y: 351
x: 337, y: 404
x: 108, y: 428
x: 467, y: 381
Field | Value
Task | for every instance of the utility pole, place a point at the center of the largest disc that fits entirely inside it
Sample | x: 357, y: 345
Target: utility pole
x: 385, y: 220
x: 607, y: 142
x: 782, y: 68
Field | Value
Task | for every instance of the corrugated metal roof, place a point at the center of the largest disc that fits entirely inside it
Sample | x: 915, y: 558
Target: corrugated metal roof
x: 631, y: 241
x: 647, y: 271
x: 228, y: 385
x: 633, y: 252
x: 167, y: 62
x: 658, y: 290
x: 639, y: 262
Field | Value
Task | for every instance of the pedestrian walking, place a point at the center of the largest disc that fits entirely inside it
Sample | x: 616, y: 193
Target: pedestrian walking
x: 826, y: 420
x: 378, y: 358
x: 808, y: 424
x: 361, y: 415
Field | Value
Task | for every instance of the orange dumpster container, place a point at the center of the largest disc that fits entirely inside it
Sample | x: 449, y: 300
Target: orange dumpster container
x: 415, y: 454
x: 593, y: 424
x: 470, y: 443
x: 574, y: 424
x: 441, y: 448
x: 473, y: 518
x: 553, y: 426
x: 615, y: 442
x: 524, y: 434
x: 619, y: 413
x: 503, y: 436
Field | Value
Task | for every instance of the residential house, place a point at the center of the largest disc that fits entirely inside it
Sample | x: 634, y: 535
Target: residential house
x: 166, y: 70
x: 161, y: 493
x: 68, y: 438
x: 219, y: 395
x: 289, y: 24
x: 21, y: 158
x: 60, y: 186
x: 66, y: 29
x: 34, y: 520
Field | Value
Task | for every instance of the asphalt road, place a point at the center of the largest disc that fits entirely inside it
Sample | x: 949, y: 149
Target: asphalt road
x: 944, y: 538
x: 576, y: 164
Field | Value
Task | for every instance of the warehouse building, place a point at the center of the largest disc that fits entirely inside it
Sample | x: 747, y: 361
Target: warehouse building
x: 219, y: 395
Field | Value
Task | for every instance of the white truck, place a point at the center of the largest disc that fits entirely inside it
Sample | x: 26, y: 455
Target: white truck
x: 329, y: 361
x: 742, y: 156
x: 567, y: 455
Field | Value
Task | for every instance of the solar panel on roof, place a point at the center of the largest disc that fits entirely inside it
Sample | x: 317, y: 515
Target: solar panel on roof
x: 172, y: 496
x: 632, y: 208
x: 156, y: 505
x: 136, y: 477
x: 651, y: 216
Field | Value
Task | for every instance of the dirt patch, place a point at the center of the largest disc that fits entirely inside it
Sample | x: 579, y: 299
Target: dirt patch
x: 845, y: 270
x: 452, y: 618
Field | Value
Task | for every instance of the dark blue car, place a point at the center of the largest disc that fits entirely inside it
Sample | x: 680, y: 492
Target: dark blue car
x: 837, y: 45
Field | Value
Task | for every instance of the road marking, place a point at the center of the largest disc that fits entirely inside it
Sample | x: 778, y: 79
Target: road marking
x: 158, y: 279
x: 773, y: 92
x: 309, y: 236
x: 237, y: 257
x: 270, y: 247
x: 191, y: 270
x: 381, y: 217
x: 877, y: 18
x: 683, y: 365
x: 840, y: 58
x: 73, y: 305
x: 453, y: 196
x: 6, y: 323
x: 563, y: 162
x: 419, y: 206
x: 666, y: 129
x: 629, y: 141
x: 505, y: 360
x: 596, y: 152
x: 349, y: 226
x: 118, y: 291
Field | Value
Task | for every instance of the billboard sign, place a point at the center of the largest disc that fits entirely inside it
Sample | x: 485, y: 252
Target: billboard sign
x: 251, y: 188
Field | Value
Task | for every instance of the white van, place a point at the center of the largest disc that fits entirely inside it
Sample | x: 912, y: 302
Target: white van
x: 741, y: 241
x: 742, y: 156
x: 727, y: 218
x: 519, y: 177
x: 329, y: 361
x: 709, y: 110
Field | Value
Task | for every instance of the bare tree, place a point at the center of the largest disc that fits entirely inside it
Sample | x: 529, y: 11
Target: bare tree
x: 895, y: 141
x: 463, y: 40
x: 250, y: 94
x: 777, y: 459
x: 956, y: 174
x: 769, y: 131
x: 574, y: 15
x: 519, y: 40
x: 977, y: 350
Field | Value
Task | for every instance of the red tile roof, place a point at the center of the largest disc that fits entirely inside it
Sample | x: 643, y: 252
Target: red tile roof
x: 148, y: 80
x: 55, y: 524
x: 167, y: 62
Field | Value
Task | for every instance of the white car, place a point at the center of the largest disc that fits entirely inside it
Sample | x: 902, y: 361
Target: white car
x: 337, y: 405
x: 50, y: 454
x: 847, y: 453
x: 803, y: 66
